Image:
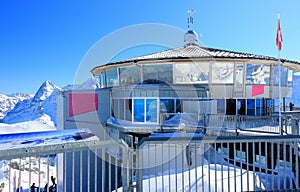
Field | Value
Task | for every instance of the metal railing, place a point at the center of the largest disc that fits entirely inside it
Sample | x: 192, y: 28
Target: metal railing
x: 84, y: 166
x: 169, y: 163
x: 218, y: 163
x: 220, y: 124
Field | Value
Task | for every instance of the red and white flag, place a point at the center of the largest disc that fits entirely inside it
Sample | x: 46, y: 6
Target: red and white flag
x: 279, y: 35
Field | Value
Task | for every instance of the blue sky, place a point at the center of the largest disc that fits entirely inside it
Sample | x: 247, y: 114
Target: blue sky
x: 48, y: 39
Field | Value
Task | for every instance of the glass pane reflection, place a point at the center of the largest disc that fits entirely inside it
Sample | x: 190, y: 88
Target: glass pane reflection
x: 290, y: 78
x: 283, y: 75
x: 111, y: 77
x: 191, y: 72
x: 139, y: 110
x: 151, y: 108
x: 222, y: 72
x: 130, y: 75
x: 154, y: 74
x: 257, y: 74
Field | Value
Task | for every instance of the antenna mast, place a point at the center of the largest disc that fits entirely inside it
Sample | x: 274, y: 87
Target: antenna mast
x: 190, y: 20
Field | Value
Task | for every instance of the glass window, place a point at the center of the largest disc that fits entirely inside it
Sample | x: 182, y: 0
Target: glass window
x: 130, y: 75
x: 139, y: 110
x: 222, y: 72
x: 155, y: 74
x: 115, y: 108
x: 250, y: 106
x: 128, y: 109
x: 269, y: 108
x: 239, y: 74
x: 221, y: 106
x: 102, y: 80
x: 283, y: 75
x: 121, y: 109
x: 167, y: 105
x: 178, y: 106
x: 151, y: 110
x: 241, y: 107
x: 111, y: 77
x: 257, y: 74
x: 145, y: 110
x: 290, y: 78
x: 259, y: 106
x: 191, y: 72
x: 230, y: 106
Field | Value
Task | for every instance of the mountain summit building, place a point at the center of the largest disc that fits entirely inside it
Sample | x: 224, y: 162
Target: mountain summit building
x: 138, y: 95
x: 179, y: 92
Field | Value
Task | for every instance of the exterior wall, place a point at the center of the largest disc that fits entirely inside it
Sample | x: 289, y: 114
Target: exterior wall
x: 94, y: 120
x: 60, y: 111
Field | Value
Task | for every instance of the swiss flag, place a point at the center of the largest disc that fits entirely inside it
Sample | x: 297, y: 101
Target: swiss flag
x: 279, y: 35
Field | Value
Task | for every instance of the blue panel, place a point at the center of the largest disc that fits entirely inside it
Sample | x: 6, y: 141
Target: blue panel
x: 139, y: 110
x: 258, y: 106
x: 151, y: 108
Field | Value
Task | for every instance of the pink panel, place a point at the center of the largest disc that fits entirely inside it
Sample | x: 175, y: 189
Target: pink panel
x: 80, y: 103
x: 257, y: 90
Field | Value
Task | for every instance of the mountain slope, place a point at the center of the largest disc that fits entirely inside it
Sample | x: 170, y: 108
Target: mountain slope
x: 8, y: 102
x: 42, y: 106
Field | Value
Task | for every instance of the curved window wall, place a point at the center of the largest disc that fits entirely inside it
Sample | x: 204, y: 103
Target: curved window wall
x: 195, y: 73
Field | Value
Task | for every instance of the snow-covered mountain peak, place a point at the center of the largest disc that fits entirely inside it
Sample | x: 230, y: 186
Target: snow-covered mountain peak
x: 45, y: 90
x: 41, y: 106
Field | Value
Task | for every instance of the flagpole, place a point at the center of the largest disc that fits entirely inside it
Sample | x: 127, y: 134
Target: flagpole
x: 279, y: 81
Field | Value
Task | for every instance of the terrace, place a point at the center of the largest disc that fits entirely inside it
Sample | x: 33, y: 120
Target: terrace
x: 259, y: 158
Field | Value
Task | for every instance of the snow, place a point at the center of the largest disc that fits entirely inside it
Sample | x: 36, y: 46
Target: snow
x: 211, y: 178
x: 181, y: 119
x: 28, y: 126
x: 89, y: 84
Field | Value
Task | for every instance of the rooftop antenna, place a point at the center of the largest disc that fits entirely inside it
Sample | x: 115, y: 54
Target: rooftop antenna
x: 190, y: 37
x: 190, y: 20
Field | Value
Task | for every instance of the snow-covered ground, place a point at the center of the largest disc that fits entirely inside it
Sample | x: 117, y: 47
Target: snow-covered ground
x: 42, y: 124
x: 214, y: 177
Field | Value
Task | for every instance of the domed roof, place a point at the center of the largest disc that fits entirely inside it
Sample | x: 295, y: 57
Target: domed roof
x: 190, y: 38
x: 192, y: 32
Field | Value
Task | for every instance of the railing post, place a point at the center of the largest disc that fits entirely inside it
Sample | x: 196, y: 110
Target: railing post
x: 237, y: 125
x: 295, y: 126
x: 138, y: 168
x: 127, y: 169
x: 280, y: 125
